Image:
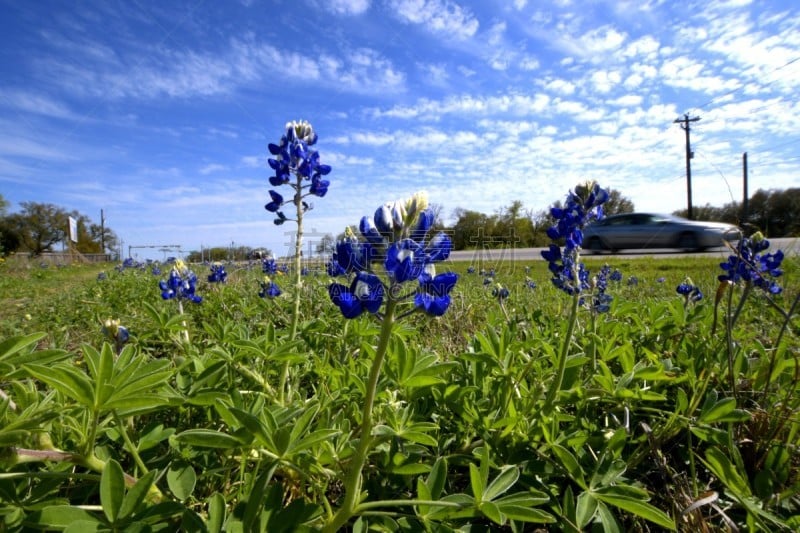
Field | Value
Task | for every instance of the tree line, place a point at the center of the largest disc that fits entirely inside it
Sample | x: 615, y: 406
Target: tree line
x: 38, y: 227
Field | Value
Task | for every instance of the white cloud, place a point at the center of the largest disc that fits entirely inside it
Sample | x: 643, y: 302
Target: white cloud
x: 346, y: 7
x: 516, y: 104
x: 438, y: 16
x: 30, y: 102
x: 212, y: 168
x: 245, y: 62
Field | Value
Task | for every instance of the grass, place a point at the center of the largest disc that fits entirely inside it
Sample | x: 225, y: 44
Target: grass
x: 661, y: 422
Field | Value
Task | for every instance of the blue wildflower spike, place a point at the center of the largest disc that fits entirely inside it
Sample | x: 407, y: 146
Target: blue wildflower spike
x: 269, y: 289
x: 293, y: 156
x: 396, y: 236
x: 583, y: 205
x: 180, y: 284
x: 218, y: 274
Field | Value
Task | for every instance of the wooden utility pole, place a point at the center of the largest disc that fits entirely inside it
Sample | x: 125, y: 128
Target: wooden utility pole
x: 684, y: 122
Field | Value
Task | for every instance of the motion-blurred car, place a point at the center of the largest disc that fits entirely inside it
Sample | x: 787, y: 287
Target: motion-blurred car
x: 646, y: 230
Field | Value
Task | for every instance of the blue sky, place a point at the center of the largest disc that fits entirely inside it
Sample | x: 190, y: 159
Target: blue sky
x: 160, y: 113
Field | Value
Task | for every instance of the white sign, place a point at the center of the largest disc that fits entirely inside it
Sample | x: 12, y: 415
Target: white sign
x: 73, y: 229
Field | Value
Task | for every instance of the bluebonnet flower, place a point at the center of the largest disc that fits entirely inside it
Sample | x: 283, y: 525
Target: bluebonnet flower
x: 689, y: 291
x: 155, y: 271
x: 500, y: 292
x: 364, y: 294
x: 101, y: 276
x: 750, y: 265
x: 351, y: 255
x: 530, y: 283
x: 116, y: 333
x: 293, y: 156
x: 661, y: 280
x: 582, y: 206
x: 599, y: 300
x: 269, y: 266
x: 434, y: 294
x: 180, y: 284
x: 633, y: 281
x: 397, y: 237
x: 470, y: 269
x: 218, y: 274
x: 269, y: 289
x: 616, y: 275
x: 128, y: 263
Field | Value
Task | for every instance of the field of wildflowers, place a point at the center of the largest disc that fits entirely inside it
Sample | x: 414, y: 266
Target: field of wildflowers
x: 393, y: 389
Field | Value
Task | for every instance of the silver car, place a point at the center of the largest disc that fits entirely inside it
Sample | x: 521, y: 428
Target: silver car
x: 647, y: 230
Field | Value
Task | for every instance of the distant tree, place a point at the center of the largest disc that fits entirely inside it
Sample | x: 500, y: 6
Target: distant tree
x: 5, y: 232
x: 617, y: 204
x: 513, y: 226
x: 39, y: 226
x: 471, y: 229
x: 326, y: 245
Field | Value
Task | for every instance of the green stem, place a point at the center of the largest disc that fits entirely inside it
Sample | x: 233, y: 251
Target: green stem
x: 128, y: 443
x: 352, y: 483
x: 298, y: 251
x: 185, y: 330
x: 562, y: 359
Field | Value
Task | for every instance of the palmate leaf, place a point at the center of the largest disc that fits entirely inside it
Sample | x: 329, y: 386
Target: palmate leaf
x: 67, y: 380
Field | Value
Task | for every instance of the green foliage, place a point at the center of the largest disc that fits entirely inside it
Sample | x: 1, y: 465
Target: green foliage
x: 644, y: 432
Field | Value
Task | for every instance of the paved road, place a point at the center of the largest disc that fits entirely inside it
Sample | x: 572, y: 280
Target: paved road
x: 789, y: 247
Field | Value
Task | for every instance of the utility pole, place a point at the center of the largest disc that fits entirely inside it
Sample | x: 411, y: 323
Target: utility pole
x: 684, y: 122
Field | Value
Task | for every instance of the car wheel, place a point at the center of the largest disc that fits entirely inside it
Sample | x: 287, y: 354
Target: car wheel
x: 595, y: 245
x: 687, y: 241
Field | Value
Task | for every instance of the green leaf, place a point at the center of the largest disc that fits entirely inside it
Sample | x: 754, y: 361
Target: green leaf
x: 635, y: 506
x: 181, y: 479
x: 492, y: 512
x: 723, y: 468
x: 67, y: 380
x: 437, y: 478
x: 718, y: 411
x: 585, y: 508
x: 310, y: 440
x: 15, y: 345
x: 520, y: 506
x: 216, y: 512
x: 85, y: 526
x: 418, y: 382
x: 419, y: 438
x: 208, y: 438
x: 133, y: 499
x: 607, y: 519
x: 500, y: 484
x: 60, y: 516
x: 112, y: 489
x: 570, y: 463
x: 475, y: 480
